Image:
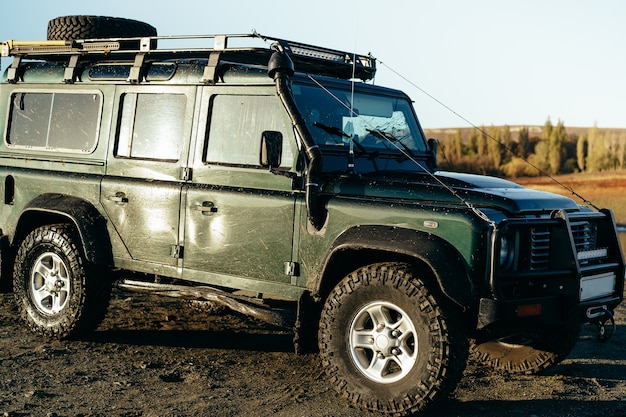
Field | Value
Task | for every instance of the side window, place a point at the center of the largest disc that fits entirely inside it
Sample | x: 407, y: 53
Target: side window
x: 151, y: 126
x: 55, y: 121
x: 237, y: 125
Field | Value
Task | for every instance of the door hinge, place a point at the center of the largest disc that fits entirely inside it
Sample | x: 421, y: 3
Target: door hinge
x: 292, y: 269
x: 177, y: 251
x: 185, y: 173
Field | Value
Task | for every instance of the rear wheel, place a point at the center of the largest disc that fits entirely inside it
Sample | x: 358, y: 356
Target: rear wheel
x: 387, y: 344
x: 55, y: 292
x: 525, y: 350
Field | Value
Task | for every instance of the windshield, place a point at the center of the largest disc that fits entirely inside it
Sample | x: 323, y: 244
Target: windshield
x: 381, y: 129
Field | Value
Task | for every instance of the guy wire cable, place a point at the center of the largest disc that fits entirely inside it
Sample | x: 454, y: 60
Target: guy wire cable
x: 502, y: 145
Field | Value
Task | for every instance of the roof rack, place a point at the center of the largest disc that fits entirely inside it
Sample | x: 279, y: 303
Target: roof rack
x: 307, y: 58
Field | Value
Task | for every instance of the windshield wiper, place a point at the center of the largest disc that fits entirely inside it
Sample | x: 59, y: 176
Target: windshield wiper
x: 333, y: 130
x: 391, y: 138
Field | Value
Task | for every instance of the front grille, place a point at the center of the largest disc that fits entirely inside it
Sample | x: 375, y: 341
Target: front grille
x: 573, y: 256
x: 581, y: 232
x: 539, y: 248
x: 585, y: 235
x: 545, y: 247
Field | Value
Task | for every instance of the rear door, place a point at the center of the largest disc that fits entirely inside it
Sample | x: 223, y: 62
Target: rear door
x: 141, y: 192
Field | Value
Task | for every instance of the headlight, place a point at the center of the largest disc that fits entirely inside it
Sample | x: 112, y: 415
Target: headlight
x: 506, y: 252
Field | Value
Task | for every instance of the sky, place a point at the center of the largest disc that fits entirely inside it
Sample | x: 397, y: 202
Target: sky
x: 463, y: 63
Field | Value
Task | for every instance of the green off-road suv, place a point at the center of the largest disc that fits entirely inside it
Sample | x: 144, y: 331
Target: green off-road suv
x: 275, y: 180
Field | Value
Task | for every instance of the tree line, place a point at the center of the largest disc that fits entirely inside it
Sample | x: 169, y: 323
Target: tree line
x: 529, y: 151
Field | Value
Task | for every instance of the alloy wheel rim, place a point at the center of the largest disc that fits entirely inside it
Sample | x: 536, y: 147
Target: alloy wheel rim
x: 383, y: 342
x: 50, y: 283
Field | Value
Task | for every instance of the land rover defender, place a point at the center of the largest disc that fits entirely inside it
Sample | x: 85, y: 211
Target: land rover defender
x: 277, y: 180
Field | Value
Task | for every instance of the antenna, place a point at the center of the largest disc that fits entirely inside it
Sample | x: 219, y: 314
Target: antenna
x: 351, y: 132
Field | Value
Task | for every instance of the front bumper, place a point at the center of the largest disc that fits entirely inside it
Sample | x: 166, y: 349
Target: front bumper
x: 554, y: 268
x: 553, y: 310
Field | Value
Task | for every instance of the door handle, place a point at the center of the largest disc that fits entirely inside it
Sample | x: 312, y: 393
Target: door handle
x: 206, y: 208
x: 119, y: 198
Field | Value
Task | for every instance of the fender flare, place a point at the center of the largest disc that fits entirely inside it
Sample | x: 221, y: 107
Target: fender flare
x: 450, y: 270
x: 89, y: 223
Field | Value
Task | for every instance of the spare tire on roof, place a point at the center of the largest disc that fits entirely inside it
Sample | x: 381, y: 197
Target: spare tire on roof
x: 93, y: 27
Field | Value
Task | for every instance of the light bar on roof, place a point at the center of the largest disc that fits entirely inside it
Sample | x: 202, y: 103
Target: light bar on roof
x: 327, y: 56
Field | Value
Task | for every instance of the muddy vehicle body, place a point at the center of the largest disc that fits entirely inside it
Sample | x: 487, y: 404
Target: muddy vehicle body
x: 277, y: 181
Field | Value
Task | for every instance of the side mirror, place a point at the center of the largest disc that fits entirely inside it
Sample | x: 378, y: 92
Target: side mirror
x: 432, y: 145
x: 271, y: 148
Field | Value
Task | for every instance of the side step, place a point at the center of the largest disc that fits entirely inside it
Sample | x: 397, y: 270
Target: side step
x: 246, y: 306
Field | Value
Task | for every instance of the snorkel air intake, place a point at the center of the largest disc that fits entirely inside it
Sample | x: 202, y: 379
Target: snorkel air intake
x: 280, y: 68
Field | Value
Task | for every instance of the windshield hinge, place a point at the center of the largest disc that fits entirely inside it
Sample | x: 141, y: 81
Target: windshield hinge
x: 177, y: 251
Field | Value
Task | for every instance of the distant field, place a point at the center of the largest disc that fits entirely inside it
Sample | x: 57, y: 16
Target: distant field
x: 605, y: 190
x: 534, y: 131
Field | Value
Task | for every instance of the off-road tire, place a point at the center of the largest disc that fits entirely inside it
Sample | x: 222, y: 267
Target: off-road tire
x: 527, y: 350
x: 434, y: 349
x: 57, y: 294
x: 94, y: 27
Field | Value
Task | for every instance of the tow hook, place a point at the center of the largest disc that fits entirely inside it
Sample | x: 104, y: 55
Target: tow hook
x: 602, y: 317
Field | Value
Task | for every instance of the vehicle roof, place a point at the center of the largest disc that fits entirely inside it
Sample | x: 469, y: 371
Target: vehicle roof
x: 214, y: 52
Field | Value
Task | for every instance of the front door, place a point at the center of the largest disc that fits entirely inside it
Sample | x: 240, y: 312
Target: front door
x: 239, y: 217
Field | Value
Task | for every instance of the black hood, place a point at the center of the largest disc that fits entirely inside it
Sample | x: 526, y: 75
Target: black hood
x: 478, y: 190
x: 490, y: 191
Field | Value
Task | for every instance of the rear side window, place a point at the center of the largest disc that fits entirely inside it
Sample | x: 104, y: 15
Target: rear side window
x: 151, y: 126
x: 57, y: 121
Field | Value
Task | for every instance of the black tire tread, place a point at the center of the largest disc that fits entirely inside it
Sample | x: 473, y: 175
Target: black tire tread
x: 88, y: 310
x: 449, y: 359
x: 94, y: 27
x: 551, y: 347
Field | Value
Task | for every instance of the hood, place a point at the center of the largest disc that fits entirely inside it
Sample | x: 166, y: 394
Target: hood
x: 479, y: 190
x: 490, y: 191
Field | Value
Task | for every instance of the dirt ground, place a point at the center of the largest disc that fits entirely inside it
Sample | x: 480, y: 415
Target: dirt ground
x: 159, y: 357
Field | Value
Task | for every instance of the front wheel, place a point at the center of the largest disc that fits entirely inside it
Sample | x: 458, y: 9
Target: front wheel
x: 387, y: 344
x: 54, y: 293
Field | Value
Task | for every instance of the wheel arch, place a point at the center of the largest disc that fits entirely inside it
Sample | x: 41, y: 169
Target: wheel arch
x: 431, y: 255
x: 88, y: 222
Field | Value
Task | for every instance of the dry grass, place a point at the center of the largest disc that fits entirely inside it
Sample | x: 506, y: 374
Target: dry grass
x: 604, y: 189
